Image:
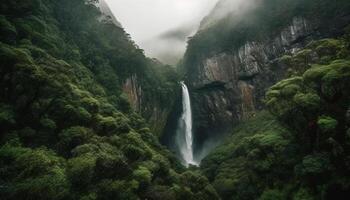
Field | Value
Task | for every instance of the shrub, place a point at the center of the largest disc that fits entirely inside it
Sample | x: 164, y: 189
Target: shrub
x: 143, y: 176
x: 112, y: 125
x: 134, y: 153
x: 314, y: 166
x: 34, y: 174
x: 91, y: 104
x: 109, y: 189
x: 73, y: 137
x: 8, y: 32
x: 48, y: 124
x: 159, y: 192
x: 272, y: 195
x: 308, y: 101
x: 303, y: 194
x: 80, y: 171
x: 111, y: 165
x: 327, y: 124
x: 328, y: 47
x: 299, y: 101
x: 7, y: 115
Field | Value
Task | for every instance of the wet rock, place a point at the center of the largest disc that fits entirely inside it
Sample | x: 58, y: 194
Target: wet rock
x: 134, y: 92
x: 151, y: 110
x: 228, y: 87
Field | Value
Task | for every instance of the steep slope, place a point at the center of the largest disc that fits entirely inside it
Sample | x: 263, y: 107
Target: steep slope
x: 301, y: 149
x: 233, y: 59
x: 73, y: 87
x: 107, y: 13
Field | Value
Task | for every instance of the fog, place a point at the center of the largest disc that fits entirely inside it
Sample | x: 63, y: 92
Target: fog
x: 235, y: 8
x: 161, y: 27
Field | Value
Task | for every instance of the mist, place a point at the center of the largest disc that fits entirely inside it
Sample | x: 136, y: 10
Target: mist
x: 236, y: 9
x: 161, y: 27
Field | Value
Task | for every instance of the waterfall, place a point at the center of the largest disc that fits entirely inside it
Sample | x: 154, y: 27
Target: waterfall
x: 184, y: 137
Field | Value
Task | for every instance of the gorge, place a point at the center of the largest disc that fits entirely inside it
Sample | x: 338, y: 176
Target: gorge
x: 258, y: 108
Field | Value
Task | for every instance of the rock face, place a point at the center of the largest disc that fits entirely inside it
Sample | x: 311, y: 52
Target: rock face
x: 133, y: 92
x: 228, y: 87
x: 151, y: 109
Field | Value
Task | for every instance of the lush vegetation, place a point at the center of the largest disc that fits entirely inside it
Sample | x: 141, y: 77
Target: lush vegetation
x: 67, y: 130
x: 300, y: 148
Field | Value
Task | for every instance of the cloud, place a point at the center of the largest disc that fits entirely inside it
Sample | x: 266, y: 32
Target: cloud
x: 161, y: 27
x: 180, y: 33
x: 236, y: 8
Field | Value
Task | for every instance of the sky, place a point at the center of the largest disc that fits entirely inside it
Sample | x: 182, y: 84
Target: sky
x: 161, y: 27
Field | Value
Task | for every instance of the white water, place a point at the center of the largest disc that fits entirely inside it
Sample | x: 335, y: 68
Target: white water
x: 184, y: 137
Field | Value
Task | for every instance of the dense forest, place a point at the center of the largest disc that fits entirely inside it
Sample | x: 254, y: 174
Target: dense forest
x: 295, y: 145
x: 299, y: 148
x: 69, y: 130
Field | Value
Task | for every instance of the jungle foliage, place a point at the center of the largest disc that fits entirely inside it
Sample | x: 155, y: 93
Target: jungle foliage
x: 67, y: 131
x: 300, y: 147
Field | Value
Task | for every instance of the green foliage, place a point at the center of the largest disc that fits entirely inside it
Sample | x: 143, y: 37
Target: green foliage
x: 112, y: 125
x: 327, y: 124
x: 34, y: 174
x: 73, y: 137
x: 109, y: 189
x: 304, y: 102
x: 316, y: 111
x: 80, y: 171
x: 194, y: 186
x: 272, y: 195
x: 67, y: 130
x: 8, y: 32
x: 327, y: 47
x: 303, y: 194
x: 143, y: 176
x: 301, y: 151
x: 259, y: 153
x: 297, y: 151
x: 7, y: 115
x: 314, y: 165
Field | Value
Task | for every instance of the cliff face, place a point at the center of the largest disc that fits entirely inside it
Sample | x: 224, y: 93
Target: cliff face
x: 133, y: 92
x: 149, y: 105
x: 228, y: 86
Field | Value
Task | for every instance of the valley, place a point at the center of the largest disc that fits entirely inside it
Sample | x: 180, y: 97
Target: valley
x: 257, y: 108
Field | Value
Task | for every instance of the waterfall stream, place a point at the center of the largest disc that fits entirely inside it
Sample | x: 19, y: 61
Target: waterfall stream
x: 184, y: 135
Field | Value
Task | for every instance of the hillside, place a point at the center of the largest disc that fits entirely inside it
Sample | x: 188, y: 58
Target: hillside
x: 270, y: 80
x: 74, y: 91
x: 258, y: 109
x: 234, y: 58
x: 299, y: 148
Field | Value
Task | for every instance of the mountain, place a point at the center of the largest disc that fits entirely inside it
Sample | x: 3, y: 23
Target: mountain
x: 107, y: 13
x: 234, y: 58
x: 269, y: 88
x: 81, y: 109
